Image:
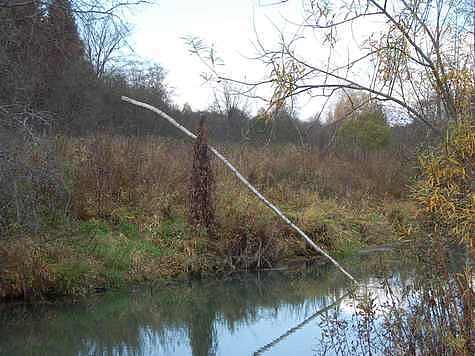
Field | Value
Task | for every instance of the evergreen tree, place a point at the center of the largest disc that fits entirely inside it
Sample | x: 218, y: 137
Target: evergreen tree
x: 22, y: 53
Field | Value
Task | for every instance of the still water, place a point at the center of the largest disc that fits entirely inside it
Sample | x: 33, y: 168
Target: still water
x: 268, y: 313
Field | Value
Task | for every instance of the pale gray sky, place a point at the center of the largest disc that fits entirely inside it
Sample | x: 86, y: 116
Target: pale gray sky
x: 229, y: 25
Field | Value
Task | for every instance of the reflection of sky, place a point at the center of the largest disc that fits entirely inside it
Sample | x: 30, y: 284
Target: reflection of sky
x: 246, y: 339
x: 250, y: 324
x: 243, y: 339
x: 153, y: 344
x: 374, y: 289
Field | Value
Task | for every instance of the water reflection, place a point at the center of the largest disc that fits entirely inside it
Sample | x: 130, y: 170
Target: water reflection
x: 238, y: 316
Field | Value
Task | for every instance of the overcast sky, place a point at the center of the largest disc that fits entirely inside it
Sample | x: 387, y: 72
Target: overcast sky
x: 229, y: 25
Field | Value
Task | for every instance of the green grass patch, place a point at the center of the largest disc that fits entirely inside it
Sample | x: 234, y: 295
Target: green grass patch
x: 172, y: 229
x: 94, y: 227
x: 73, y: 278
x: 131, y: 230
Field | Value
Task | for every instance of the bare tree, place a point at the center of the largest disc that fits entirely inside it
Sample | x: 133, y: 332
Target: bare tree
x: 229, y: 103
x: 44, y: 75
x: 101, y: 23
x: 418, y: 55
x: 103, y: 39
x: 104, y: 30
x: 99, y: 7
x: 421, y: 54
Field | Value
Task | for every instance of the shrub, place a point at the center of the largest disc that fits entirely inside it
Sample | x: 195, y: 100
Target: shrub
x: 445, y: 192
x: 33, y: 193
x: 446, y: 198
x: 25, y: 272
x: 368, y: 132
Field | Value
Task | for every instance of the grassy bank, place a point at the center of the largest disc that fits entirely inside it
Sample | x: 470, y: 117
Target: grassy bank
x: 123, y: 217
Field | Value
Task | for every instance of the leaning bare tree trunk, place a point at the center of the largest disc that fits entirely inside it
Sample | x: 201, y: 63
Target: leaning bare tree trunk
x: 245, y: 182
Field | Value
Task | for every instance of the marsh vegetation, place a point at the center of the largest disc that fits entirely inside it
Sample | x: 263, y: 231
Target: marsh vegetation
x: 97, y: 195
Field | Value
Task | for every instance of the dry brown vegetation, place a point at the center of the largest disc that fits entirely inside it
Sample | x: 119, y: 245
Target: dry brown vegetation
x: 127, y: 199
x: 110, y: 173
x: 151, y: 173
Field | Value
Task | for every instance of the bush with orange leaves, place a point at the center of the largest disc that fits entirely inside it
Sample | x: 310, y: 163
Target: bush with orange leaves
x: 445, y: 193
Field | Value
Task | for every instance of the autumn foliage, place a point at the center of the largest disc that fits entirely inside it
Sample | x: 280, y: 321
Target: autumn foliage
x: 445, y: 193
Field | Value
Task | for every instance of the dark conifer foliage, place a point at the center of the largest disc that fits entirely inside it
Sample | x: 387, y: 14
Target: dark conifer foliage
x: 65, y: 44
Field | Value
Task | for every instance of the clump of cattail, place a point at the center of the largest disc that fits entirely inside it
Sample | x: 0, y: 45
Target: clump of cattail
x: 202, y: 184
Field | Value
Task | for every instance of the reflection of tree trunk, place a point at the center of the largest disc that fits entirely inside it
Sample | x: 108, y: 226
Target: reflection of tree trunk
x: 201, y: 331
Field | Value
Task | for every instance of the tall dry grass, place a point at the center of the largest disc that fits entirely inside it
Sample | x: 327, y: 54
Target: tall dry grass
x: 128, y: 200
x: 149, y: 177
x: 108, y: 172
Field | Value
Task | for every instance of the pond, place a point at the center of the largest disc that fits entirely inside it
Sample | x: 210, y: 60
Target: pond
x: 271, y: 313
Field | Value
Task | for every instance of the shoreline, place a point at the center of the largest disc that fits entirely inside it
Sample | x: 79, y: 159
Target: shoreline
x: 293, y: 266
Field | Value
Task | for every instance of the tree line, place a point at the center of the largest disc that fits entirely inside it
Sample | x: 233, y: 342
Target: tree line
x: 62, y: 72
